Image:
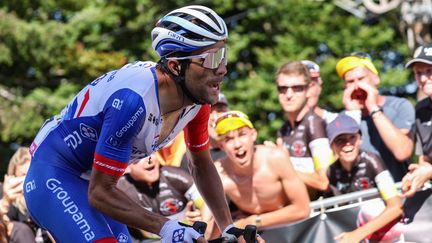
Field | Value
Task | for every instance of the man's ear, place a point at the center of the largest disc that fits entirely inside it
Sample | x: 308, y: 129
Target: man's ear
x: 174, y: 66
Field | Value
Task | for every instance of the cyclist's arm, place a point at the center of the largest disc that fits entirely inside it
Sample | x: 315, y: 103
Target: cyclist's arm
x: 202, y: 168
x: 107, y: 198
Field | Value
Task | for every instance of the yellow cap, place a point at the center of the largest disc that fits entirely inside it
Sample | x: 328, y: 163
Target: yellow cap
x: 351, y: 62
x: 230, y: 121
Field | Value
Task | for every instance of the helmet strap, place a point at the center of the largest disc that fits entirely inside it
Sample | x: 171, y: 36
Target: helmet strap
x: 180, y: 78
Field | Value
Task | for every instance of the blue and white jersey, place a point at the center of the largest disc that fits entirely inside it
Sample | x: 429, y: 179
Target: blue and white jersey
x: 112, y: 120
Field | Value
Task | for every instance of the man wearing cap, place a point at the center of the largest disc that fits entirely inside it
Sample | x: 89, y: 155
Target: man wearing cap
x: 315, y: 91
x: 387, y: 121
x: 357, y: 170
x: 303, y: 134
x: 220, y: 107
x: 421, y: 66
x: 257, y: 178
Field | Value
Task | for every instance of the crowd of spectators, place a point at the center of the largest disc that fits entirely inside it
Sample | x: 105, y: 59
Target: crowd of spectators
x: 315, y: 153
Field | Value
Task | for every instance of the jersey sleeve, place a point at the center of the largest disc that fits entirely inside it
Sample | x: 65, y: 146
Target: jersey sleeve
x: 383, y: 178
x: 196, y: 132
x: 322, y: 154
x: 124, y: 115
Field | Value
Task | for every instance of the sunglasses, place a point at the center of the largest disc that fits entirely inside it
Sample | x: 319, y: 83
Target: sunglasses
x: 212, y: 60
x: 282, y: 89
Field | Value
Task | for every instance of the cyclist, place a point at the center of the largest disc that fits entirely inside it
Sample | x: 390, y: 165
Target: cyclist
x: 127, y: 114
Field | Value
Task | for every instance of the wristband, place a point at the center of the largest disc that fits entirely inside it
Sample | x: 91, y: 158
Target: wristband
x: 379, y: 109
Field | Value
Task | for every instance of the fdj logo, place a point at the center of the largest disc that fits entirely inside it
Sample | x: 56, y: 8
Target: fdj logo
x: 72, y: 140
x: 178, y: 235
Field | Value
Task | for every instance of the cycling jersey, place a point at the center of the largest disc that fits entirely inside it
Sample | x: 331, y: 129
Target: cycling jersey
x: 168, y: 196
x: 368, y: 171
x: 307, y: 143
x: 424, y: 127
x: 114, y: 119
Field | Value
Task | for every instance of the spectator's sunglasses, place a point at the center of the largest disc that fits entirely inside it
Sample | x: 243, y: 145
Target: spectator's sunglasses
x: 212, y: 60
x: 282, y: 89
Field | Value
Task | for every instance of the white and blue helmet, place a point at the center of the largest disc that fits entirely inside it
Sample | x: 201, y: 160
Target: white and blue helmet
x: 188, y: 29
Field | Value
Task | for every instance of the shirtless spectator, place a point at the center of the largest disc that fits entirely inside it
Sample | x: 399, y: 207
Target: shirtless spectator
x: 257, y: 178
x: 357, y: 170
x: 166, y: 190
x: 387, y: 122
x: 421, y: 65
x: 303, y: 134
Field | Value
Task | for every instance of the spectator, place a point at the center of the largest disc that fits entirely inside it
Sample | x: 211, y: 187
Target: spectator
x: 387, y: 122
x: 20, y: 227
x: 303, y: 134
x: 258, y: 178
x: 315, y: 88
x: 220, y: 107
x: 421, y: 66
x: 166, y: 190
x: 357, y: 170
x: 173, y: 154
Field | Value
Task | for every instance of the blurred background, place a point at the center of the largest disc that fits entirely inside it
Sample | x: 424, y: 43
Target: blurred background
x: 50, y: 49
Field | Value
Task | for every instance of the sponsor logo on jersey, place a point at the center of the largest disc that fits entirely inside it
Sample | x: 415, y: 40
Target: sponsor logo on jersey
x: 88, y: 132
x: 152, y: 118
x: 73, y: 140
x: 113, y: 73
x: 130, y: 123
x: 117, y: 103
x: 96, y: 81
x: 171, y: 206
x: 298, y: 148
x: 363, y: 183
x: 113, y: 141
x: 121, y: 238
x: 30, y: 186
x: 70, y: 207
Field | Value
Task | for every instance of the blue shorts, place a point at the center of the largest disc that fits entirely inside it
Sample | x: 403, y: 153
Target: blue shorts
x: 57, y: 201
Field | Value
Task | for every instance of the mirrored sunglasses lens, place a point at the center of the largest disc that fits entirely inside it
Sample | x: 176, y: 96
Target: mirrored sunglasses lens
x: 214, y: 59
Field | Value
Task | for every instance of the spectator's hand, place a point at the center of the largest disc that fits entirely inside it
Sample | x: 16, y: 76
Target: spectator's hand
x: 348, y: 100
x: 12, y: 187
x: 348, y: 237
x: 371, y: 101
x: 415, y: 178
x: 192, y: 215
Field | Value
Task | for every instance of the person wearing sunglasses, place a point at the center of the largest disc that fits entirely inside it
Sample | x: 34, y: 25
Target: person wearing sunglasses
x: 122, y: 116
x: 387, y: 122
x: 421, y: 66
x: 258, y: 179
x: 303, y: 133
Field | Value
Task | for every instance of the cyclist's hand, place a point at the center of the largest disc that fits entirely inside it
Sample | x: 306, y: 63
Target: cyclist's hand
x: 174, y: 231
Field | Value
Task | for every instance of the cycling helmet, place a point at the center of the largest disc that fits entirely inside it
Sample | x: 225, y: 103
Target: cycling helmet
x: 187, y: 29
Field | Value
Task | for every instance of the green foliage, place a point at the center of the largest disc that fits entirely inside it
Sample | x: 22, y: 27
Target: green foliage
x: 50, y: 49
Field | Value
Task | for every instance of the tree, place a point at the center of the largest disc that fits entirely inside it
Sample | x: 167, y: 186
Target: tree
x: 51, y: 49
